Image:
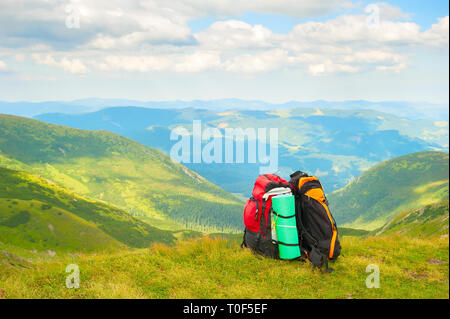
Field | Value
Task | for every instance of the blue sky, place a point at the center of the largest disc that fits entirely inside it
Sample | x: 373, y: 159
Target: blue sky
x: 275, y: 51
x: 424, y: 13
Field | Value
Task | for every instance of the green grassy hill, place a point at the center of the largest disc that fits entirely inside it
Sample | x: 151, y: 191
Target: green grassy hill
x: 37, y: 214
x: 142, y: 181
x: 205, y: 268
x: 391, y: 187
x: 426, y: 221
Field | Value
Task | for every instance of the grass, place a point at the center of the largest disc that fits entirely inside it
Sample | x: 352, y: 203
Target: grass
x: 427, y: 221
x: 352, y: 232
x: 36, y: 213
x: 32, y: 227
x: 218, y: 268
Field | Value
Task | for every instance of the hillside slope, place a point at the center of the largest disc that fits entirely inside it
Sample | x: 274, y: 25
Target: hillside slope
x: 426, y: 221
x: 103, y: 165
x: 37, y: 214
x: 393, y: 186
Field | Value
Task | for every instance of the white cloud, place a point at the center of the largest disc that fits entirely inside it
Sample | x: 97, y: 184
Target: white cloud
x: 147, y: 36
x: 294, y: 8
x: 396, y: 68
x: 197, y: 62
x: 374, y: 56
x: 319, y: 173
x: 390, y: 12
x: 349, y: 44
x: 234, y: 34
x: 132, y: 63
x: 107, y: 24
x: 355, y: 29
x: 2, y: 66
x: 441, y: 123
x: 19, y: 57
x: 74, y: 66
x: 329, y: 67
x: 261, y: 62
x: 194, y: 62
x: 117, y: 22
x: 438, y: 34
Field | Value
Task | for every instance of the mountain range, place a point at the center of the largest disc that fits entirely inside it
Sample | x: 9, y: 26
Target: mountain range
x: 336, y: 145
x: 411, y: 110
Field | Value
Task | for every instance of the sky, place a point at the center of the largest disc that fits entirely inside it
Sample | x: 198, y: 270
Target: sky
x: 276, y: 51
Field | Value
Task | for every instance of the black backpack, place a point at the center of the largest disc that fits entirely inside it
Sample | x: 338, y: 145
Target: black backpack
x: 318, y: 234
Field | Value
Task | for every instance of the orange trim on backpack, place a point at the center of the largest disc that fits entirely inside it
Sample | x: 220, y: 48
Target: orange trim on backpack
x: 333, y: 242
x: 317, y: 194
x: 333, y: 239
x: 304, y: 180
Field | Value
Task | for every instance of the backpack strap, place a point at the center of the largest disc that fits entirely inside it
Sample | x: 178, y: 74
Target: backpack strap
x: 265, y: 175
x: 285, y: 190
x: 303, y: 230
x: 257, y: 207
x: 263, y: 222
x: 281, y: 216
x: 327, y: 269
x: 298, y: 174
x: 244, y: 243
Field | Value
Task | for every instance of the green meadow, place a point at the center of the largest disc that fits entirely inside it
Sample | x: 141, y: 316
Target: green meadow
x: 219, y: 268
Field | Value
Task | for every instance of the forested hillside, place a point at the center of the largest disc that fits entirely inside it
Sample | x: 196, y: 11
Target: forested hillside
x: 140, y: 180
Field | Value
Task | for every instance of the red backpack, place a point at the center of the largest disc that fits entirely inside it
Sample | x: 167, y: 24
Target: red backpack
x: 258, y: 232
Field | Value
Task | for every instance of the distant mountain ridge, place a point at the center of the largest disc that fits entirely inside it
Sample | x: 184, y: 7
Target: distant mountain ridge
x: 336, y: 145
x: 411, y: 110
x: 30, y: 109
